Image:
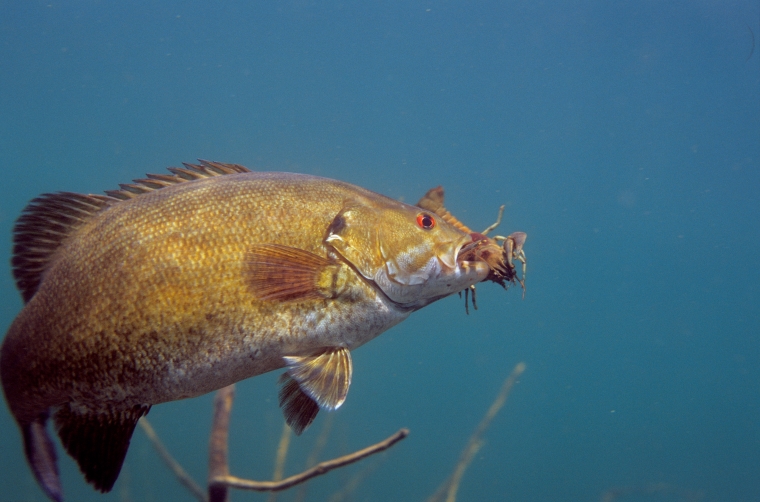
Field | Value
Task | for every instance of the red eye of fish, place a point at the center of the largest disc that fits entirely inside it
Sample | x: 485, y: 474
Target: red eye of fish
x: 425, y: 221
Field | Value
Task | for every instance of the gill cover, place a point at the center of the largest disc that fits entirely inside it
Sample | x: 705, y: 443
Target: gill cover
x: 413, y: 265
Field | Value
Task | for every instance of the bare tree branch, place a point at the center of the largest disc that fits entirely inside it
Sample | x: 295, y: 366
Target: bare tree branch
x: 177, y: 469
x: 319, y: 445
x: 279, y: 463
x: 451, y: 485
x: 317, y: 470
x: 217, y: 455
x: 219, y: 479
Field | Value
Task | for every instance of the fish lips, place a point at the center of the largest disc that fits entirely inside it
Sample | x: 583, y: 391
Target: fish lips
x: 445, y: 273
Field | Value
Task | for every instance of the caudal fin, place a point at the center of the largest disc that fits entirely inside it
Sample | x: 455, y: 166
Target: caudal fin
x: 40, y: 453
x: 98, y: 440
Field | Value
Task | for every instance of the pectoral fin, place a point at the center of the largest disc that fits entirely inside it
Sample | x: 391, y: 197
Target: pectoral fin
x: 98, y: 440
x: 320, y: 380
x: 277, y: 272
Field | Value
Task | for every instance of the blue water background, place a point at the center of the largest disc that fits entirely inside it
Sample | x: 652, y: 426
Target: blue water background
x: 623, y: 137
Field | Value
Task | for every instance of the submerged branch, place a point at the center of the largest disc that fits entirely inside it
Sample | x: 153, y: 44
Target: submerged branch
x: 451, y: 485
x: 456, y: 477
x: 170, y: 462
x: 348, y: 489
x: 219, y: 479
x: 282, y: 454
x: 317, y: 470
x: 316, y: 451
x: 217, y: 455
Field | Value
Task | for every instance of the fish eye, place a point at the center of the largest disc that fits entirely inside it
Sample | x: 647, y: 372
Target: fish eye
x: 425, y: 221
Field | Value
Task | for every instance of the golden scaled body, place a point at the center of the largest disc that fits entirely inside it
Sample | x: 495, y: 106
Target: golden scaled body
x: 153, y: 301
x: 181, y: 284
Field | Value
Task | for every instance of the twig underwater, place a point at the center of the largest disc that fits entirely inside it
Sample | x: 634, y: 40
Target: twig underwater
x: 219, y: 478
x: 319, y: 445
x: 282, y: 454
x: 317, y: 470
x: 450, y: 487
x: 170, y: 462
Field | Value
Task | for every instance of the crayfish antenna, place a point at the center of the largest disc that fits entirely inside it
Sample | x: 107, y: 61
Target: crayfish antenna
x: 497, y: 223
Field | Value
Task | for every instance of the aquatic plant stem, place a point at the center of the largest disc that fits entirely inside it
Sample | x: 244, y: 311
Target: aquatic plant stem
x: 316, y: 451
x: 279, y: 463
x: 451, y: 485
x: 217, y: 455
x: 317, y: 470
x: 456, y: 477
x: 348, y: 489
x: 219, y: 479
x: 170, y: 462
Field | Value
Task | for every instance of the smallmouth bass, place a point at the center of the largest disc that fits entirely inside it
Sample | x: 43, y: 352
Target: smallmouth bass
x: 180, y: 284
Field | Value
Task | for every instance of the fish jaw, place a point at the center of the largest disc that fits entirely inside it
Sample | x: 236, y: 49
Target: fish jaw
x: 445, y: 273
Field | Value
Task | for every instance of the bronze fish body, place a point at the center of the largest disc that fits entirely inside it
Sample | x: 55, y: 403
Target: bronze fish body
x: 183, y: 283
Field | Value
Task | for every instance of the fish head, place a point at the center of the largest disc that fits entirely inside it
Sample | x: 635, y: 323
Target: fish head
x: 408, y: 253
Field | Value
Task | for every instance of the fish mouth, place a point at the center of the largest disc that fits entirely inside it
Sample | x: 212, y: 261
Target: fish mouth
x: 455, y: 254
x: 480, y: 248
x: 453, y: 266
x: 464, y: 251
x: 446, y: 272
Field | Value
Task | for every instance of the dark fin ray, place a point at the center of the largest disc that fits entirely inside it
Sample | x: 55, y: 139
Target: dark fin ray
x: 98, y: 441
x: 40, y: 453
x: 433, y: 201
x: 277, y: 272
x: 325, y: 377
x: 50, y: 218
x: 299, y: 409
x: 42, y: 227
x: 191, y: 172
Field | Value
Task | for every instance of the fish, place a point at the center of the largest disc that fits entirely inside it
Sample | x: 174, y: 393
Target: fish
x: 182, y: 283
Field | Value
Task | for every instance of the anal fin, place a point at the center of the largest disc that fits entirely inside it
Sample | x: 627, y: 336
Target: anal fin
x: 98, y: 440
x: 312, y: 382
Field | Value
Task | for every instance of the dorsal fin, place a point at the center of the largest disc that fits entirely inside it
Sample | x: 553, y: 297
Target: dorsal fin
x: 41, y: 228
x: 191, y: 172
x: 433, y: 201
x: 50, y: 218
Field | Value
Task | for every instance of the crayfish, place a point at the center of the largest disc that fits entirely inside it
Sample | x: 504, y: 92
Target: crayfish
x: 499, y: 252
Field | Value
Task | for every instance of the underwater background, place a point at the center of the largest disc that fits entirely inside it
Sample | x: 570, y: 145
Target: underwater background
x: 623, y: 137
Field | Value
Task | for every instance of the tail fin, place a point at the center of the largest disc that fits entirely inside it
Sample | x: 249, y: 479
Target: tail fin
x: 98, y: 440
x: 40, y: 453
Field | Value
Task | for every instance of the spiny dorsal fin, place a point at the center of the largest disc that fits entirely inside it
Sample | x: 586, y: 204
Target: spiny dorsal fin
x: 43, y: 225
x: 191, y: 172
x: 98, y: 441
x: 433, y: 201
x: 50, y: 218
